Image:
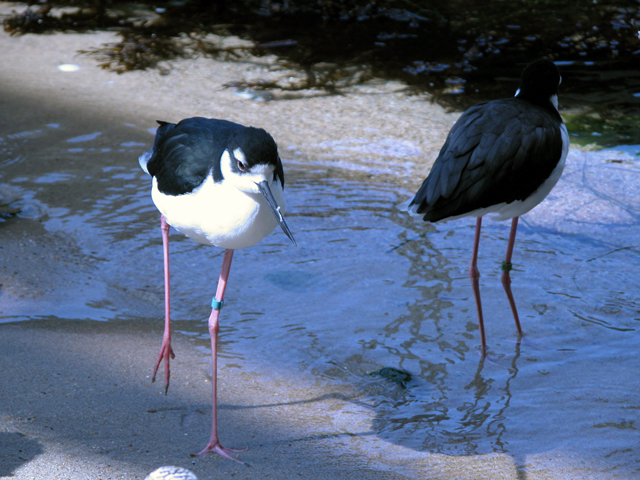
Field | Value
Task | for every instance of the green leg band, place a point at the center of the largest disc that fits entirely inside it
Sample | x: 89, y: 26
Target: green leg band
x: 216, y: 305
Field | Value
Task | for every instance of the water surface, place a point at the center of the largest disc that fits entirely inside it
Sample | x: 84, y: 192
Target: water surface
x: 370, y: 287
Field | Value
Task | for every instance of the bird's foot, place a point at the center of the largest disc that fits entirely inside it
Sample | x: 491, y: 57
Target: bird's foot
x: 222, y: 451
x: 166, y: 353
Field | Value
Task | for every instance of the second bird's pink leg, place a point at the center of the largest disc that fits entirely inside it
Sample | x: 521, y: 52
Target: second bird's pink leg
x: 474, y: 274
x: 166, y: 352
x: 214, y: 442
x: 506, y: 277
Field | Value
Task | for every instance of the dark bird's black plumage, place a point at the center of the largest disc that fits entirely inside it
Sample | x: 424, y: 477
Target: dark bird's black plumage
x: 485, y: 163
x: 501, y: 157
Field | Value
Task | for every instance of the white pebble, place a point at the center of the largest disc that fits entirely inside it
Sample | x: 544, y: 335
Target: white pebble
x: 171, y: 473
x: 68, y: 67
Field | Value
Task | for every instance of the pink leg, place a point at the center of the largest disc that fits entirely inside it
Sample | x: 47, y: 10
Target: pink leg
x: 214, y: 443
x: 474, y: 274
x: 165, y: 349
x: 506, y: 278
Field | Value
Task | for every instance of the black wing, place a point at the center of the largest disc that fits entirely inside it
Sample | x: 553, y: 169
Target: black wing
x: 185, y: 153
x: 497, y: 152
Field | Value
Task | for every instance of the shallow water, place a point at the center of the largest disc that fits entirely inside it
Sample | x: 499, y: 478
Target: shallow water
x: 370, y: 287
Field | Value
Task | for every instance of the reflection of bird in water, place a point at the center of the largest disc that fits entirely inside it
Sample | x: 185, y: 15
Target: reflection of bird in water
x: 501, y: 157
x: 220, y: 184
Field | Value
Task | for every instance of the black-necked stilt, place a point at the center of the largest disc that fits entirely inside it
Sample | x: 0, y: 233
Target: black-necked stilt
x: 220, y: 184
x: 501, y: 157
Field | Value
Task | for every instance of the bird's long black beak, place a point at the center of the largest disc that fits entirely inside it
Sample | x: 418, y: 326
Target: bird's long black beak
x: 268, y: 196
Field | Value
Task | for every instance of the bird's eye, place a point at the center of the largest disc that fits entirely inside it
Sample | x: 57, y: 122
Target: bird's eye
x: 241, y: 166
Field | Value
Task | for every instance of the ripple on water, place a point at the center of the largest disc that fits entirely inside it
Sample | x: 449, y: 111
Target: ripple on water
x: 84, y: 138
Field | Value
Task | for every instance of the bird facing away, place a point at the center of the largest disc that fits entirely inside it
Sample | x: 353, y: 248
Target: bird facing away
x: 501, y: 157
x: 220, y: 184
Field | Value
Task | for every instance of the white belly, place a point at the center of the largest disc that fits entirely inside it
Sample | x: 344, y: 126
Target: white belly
x: 219, y: 215
x: 520, y: 207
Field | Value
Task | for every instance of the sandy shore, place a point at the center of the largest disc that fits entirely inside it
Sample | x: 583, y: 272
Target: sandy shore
x: 77, y: 403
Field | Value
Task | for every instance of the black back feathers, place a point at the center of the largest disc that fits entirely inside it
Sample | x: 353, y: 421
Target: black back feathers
x: 497, y: 152
x: 186, y: 153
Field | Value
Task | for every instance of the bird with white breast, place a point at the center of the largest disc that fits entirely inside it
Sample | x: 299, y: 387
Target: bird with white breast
x: 220, y: 184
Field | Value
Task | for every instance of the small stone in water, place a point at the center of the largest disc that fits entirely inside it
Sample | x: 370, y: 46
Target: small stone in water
x: 398, y: 376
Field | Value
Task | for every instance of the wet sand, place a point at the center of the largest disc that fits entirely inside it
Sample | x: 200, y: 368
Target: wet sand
x: 76, y: 400
x: 77, y: 403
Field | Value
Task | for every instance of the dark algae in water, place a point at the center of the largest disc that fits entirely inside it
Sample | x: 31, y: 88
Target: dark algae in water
x: 604, y: 129
x: 399, y: 377
x: 432, y: 43
x: 92, y: 16
x: 462, y: 52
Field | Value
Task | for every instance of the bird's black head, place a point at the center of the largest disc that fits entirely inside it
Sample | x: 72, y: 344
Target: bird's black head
x: 539, y: 82
x: 251, y: 164
x: 251, y: 146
